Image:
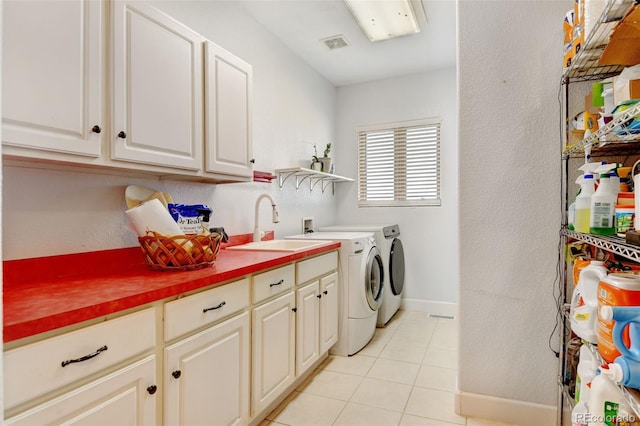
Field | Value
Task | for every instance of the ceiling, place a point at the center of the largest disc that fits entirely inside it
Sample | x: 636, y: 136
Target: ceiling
x: 303, y: 24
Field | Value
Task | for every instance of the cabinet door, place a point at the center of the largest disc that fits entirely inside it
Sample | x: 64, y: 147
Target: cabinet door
x: 125, y: 397
x: 273, y: 350
x: 157, y: 88
x: 328, y: 312
x: 228, y: 97
x: 206, y: 376
x: 52, y: 76
x: 307, y: 326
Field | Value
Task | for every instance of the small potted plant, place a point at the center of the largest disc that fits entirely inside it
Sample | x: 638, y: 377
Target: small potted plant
x: 326, y: 160
x: 316, y: 164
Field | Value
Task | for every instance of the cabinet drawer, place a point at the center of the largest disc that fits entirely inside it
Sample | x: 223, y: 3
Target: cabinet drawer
x: 316, y: 267
x: 190, y: 313
x: 272, y: 282
x: 115, y: 399
x: 35, y: 369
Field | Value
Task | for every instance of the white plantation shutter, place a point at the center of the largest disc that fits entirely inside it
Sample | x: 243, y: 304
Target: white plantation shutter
x: 399, y: 164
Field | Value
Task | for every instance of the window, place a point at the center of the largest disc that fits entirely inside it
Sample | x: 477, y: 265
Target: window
x: 399, y: 164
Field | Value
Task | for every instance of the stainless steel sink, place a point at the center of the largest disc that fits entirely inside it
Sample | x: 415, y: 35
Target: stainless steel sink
x: 279, y: 245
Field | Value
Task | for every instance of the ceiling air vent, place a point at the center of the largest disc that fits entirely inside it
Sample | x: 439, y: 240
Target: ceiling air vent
x: 335, y: 42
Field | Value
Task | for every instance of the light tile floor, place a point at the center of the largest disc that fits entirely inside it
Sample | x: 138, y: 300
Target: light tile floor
x: 405, y: 376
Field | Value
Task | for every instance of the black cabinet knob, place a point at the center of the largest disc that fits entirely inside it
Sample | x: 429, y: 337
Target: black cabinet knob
x: 252, y: 161
x: 325, y: 292
x: 96, y: 129
x: 122, y: 135
x: 152, y: 389
x: 294, y: 309
x: 176, y: 374
x: 319, y: 296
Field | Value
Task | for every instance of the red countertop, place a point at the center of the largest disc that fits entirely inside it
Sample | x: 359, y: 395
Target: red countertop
x: 43, y: 294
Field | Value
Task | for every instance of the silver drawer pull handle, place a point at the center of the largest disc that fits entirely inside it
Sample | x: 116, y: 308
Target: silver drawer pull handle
x: 205, y: 310
x: 86, y: 357
x: 275, y: 284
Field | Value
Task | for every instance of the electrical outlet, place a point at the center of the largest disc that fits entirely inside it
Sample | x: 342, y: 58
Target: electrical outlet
x: 307, y: 225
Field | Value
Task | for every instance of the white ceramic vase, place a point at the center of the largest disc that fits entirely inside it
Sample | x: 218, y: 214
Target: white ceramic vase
x: 326, y: 164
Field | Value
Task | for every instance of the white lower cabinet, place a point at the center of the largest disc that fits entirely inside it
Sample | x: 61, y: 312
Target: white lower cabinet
x: 273, y: 350
x: 316, y: 320
x: 328, y: 312
x: 318, y: 286
x: 125, y: 397
x: 100, y: 374
x: 307, y: 326
x: 206, y: 376
x: 229, y: 354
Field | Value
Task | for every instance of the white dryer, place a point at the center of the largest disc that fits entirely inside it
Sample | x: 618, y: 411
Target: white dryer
x: 361, y: 273
x: 390, y: 245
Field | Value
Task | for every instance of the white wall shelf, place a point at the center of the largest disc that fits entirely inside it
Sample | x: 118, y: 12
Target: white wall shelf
x: 300, y: 174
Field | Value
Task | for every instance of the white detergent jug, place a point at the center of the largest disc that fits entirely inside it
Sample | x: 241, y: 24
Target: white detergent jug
x: 587, y: 367
x: 606, y: 403
x: 584, y: 302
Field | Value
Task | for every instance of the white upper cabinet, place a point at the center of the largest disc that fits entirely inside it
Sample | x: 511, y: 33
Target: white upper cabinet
x: 157, y: 68
x: 52, y: 77
x: 119, y: 84
x: 228, y: 100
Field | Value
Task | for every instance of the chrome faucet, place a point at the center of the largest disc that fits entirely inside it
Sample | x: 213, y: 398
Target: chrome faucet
x: 257, y: 234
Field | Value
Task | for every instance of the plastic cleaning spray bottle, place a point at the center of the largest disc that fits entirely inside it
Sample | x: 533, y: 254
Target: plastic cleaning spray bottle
x: 584, y: 302
x: 625, y: 369
x: 603, y: 207
x: 612, y: 170
x: 582, y: 216
x: 587, y: 169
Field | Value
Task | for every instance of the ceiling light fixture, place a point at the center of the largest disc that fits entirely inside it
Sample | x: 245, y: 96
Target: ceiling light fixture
x: 384, y: 19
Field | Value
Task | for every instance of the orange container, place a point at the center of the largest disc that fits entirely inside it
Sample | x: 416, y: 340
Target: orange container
x: 578, y: 265
x: 617, y: 289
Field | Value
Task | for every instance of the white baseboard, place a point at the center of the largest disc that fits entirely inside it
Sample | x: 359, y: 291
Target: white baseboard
x: 504, y: 410
x: 430, y: 306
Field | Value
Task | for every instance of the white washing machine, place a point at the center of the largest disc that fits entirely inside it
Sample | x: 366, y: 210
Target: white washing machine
x: 361, y: 273
x: 390, y: 245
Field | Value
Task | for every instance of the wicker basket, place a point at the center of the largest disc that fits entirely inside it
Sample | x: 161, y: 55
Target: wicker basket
x: 179, y: 252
